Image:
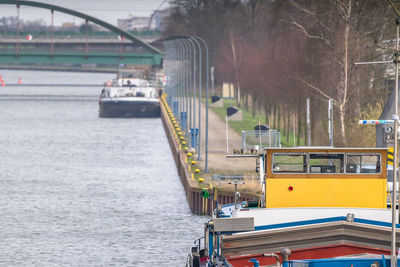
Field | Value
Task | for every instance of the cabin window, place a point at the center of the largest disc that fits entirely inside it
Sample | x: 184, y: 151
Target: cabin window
x: 363, y: 163
x: 326, y: 163
x: 289, y: 163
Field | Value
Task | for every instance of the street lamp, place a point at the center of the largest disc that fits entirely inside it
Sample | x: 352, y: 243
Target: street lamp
x: 182, y: 59
x: 170, y: 74
x: 185, y: 45
x: 190, y: 78
x: 199, y: 82
x: 207, y: 84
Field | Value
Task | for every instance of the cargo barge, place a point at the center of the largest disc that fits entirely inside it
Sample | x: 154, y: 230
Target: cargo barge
x: 129, y: 97
x: 317, y: 204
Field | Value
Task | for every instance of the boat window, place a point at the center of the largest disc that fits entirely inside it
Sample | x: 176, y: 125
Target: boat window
x: 363, y: 163
x: 326, y: 163
x: 289, y: 163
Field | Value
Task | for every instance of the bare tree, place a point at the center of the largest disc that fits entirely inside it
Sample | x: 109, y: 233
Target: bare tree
x: 333, y: 26
x: 281, y: 52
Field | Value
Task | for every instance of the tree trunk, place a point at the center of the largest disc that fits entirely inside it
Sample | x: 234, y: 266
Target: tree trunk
x: 266, y: 110
x: 288, y: 126
x: 279, y: 118
x: 238, y: 94
x: 298, y: 124
x: 342, y: 115
x: 305, y: 130
x: 343, y: 92
x: 253, y: 105
x: 236, y: 64
x: 246, y: 102
x: 284, y: 123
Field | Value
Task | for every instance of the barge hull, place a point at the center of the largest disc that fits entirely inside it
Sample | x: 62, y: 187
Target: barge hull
x: 120, y: 109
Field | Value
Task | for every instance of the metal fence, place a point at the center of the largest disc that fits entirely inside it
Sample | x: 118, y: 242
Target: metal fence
x: 263, y: 138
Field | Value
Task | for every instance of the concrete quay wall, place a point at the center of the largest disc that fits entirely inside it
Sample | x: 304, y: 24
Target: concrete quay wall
x: 193, y: 188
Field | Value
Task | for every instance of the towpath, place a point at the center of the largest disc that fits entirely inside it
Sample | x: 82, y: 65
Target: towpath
x: 217, y: 146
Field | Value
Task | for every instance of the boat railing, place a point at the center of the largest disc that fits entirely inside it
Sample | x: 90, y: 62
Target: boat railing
x: 198, y: 248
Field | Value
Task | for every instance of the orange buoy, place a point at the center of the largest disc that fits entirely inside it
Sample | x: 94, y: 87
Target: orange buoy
x: 19, y: 81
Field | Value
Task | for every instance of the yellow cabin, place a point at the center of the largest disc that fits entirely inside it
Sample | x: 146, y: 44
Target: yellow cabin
x: 326, y: 177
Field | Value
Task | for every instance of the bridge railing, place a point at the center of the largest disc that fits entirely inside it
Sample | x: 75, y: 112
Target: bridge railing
x: 71, y: 39
x: 66, y: 37
x: 71, y: 48
x: 74, y: 35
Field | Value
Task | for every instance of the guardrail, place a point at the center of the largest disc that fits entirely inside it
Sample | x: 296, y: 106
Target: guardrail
x: 265, y: 138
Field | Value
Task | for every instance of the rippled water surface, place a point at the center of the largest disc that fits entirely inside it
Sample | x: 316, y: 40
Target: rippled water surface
x: 78, y: 190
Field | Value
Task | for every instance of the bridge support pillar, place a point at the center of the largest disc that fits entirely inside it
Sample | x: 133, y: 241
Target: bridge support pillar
x: 52, y: 33
x: 18, y: 32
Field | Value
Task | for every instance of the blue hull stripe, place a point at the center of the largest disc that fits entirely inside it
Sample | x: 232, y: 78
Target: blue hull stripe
x: 324, y: 220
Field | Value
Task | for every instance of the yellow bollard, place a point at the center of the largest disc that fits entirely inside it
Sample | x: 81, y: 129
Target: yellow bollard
x: 192, y: 176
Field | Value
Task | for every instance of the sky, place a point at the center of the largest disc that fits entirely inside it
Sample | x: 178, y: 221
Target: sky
x: 108, y: 10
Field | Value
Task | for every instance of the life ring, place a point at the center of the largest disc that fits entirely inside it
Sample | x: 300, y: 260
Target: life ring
x: 108, y: 83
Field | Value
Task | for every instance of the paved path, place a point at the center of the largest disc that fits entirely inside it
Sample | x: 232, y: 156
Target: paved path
x: 217, y: 146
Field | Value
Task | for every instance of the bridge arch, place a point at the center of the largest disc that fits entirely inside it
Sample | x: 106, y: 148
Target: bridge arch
x: 95, y: 20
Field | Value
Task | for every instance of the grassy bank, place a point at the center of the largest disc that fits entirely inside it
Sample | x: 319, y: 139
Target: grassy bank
x: 249, y: 121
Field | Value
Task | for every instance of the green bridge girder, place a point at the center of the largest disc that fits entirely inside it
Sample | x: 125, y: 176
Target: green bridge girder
x: 153, y: 57
x: 79, y: 58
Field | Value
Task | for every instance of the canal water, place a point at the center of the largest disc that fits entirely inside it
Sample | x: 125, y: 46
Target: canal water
x: 79, y: 190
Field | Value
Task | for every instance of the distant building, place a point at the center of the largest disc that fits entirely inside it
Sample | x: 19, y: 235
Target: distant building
x: 69, y: 26
x: 155, y: 22
x: 133, y: 23
x: 159, y: 19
